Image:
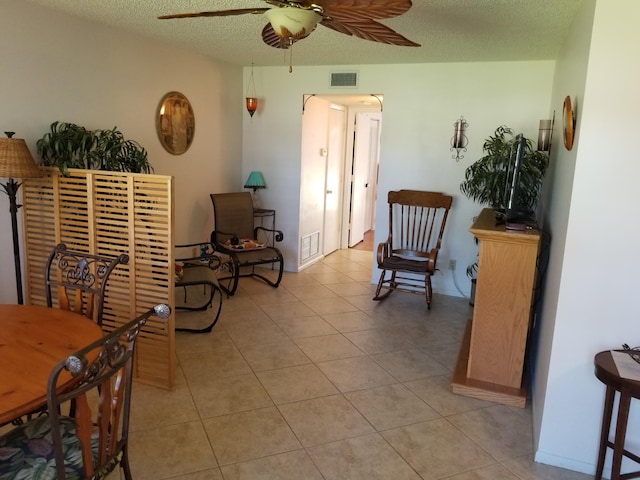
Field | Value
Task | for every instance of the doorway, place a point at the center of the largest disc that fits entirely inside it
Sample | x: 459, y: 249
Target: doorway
x: 364, y: 181
x: 353, y: 126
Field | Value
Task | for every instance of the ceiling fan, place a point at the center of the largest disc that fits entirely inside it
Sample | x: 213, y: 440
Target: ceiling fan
x: 293, y: 20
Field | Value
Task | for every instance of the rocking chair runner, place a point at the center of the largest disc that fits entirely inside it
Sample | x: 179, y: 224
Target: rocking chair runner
x: 233, y: 219
x: 408, y: 257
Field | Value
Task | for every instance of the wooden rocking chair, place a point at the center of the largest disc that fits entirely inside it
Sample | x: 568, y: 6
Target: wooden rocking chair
x: 408, y: 256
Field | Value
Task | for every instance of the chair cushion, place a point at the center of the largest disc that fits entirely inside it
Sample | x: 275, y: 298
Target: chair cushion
x: 395, y: 262
x: 26, y: 452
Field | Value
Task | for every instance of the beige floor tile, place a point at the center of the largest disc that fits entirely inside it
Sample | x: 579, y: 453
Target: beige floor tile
x: 325, y: 419
x: 526, y: 469
x: 328, y: 306
x: 274, y: 355
x: 212, y: 474
x: 290, y: 280
x: 305, y: 327
x: 249, y: 435
x: 446, y: 354
x: 294, y: 465
x: 410, y: 365
x: 255, y: 333
x: 354, y: 321
x: 328, y: 347
x: 191, y: 343
x: 380, y: 340
x: 367, y: 457
x: 155, y: 407
x: 222, y: 362
x: 363, y: 276
x: 282, y: 311
x: 312, y: 292
x: 355, y: 373
x: 436, y: 392
x: 220, y: 396
x: 350, y: 289
x: 297, y: 383
x: 391, y: 406
x: 169, y: 451
x: 492, y: 472
x: 436, y: 449
x: 498, y: 429
x: 327, y: 278
x: 278, y: 296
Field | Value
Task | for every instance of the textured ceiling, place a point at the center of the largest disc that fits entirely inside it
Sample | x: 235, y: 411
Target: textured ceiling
x: 448, y: 30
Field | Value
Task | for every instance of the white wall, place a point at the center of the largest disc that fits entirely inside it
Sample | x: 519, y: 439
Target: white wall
x: 590, y: 293
x: 421, y: 104
x: 57, y: 67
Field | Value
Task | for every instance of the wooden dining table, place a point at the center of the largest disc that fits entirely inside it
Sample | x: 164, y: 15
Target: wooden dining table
x: 33, y: 339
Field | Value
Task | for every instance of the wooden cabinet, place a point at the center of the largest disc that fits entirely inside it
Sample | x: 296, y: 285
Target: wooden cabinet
x: 491, y: 359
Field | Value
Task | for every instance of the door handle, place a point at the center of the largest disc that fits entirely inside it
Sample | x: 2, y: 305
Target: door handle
x: 329, y: 192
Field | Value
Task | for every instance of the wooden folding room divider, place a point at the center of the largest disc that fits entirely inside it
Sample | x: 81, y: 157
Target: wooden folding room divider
x: 108, y: 213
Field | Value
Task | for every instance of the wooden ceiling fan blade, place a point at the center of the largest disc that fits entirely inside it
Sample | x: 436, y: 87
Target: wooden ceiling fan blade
x: 354, y: 10
x: 218, y: 13
x: 370, y: 30
x: 289, y: 3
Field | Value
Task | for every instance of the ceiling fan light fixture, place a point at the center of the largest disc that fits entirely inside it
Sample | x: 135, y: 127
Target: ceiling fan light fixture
x: 292, y: 23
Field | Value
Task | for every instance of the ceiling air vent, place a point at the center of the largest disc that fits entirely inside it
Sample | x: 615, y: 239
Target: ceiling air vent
x: 346, y: 79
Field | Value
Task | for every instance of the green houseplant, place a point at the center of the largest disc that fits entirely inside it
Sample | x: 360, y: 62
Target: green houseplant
x: 72, y: 146
x: 485, y: 180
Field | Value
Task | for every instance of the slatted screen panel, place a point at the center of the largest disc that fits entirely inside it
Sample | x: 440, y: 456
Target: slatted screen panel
x: 108, y: 213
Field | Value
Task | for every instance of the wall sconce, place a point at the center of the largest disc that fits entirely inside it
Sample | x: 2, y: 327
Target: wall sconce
x: 459, y: 140
x: 544, y: 134
x: 251, y: 99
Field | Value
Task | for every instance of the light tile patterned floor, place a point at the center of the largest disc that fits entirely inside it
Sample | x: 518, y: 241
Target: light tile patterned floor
x: 315, y: 380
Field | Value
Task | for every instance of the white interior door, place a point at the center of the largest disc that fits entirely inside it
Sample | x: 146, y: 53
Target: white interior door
x: 365, y: 152
x: 333, y: 183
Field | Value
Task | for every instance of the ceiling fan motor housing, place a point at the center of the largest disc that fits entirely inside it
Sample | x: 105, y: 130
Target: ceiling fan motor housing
x: 292, y: 23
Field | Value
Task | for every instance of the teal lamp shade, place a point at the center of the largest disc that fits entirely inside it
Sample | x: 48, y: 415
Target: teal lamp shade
x: 255, y: 181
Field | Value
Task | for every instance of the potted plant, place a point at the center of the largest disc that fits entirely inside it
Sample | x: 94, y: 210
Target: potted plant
x: 72, y: 146
x: 485, y: 180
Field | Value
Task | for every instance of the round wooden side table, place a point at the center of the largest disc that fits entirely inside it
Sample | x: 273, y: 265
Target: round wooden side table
x: 607, y: 373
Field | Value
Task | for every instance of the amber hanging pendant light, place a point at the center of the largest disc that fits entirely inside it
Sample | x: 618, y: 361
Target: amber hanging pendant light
x: 251, y: 99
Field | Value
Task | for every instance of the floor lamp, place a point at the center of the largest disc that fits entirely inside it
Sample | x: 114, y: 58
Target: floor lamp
x: 15, y: 162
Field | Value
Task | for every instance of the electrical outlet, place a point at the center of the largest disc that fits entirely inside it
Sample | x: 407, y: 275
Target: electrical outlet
x: 452, y: 264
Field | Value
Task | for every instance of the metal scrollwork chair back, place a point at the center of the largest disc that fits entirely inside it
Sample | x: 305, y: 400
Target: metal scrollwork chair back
x: 80, y: 279
x: 91, y: 441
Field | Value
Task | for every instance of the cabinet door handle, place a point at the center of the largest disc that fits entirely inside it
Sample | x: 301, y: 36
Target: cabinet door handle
x: 329, y: 192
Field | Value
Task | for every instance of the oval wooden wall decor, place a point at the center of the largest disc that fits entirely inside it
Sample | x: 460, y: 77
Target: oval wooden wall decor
x: 175, y: 123
x: 568, y: 123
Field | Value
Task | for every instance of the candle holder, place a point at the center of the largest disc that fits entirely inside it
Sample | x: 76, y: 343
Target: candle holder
x: 545, y: 131
x: 459, y: 140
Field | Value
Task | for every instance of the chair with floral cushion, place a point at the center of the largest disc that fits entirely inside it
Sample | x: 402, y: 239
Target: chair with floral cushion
x: 93, y: 442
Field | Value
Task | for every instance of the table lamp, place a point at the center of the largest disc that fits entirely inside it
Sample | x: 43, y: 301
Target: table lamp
x: 255, y: 181
x: 16, y: 162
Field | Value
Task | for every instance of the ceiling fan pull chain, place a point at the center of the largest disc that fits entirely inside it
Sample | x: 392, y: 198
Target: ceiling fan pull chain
x: 291, y: 56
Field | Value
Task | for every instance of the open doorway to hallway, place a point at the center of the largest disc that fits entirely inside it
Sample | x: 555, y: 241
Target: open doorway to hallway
x: 350, y: 125
x: 366, y: 243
